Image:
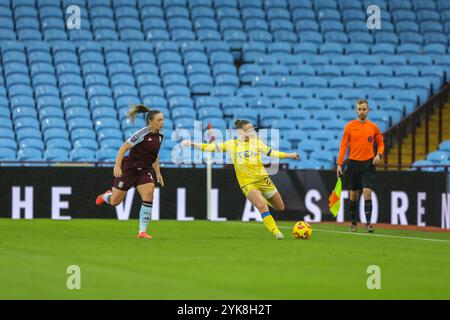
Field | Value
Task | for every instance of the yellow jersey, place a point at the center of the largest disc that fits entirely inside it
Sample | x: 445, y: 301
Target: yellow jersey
x: 246, y: 157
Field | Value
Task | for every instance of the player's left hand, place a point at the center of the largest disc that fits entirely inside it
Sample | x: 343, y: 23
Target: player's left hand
x: 376, y: 160
x: 160, y: 180
x: 296, y: 156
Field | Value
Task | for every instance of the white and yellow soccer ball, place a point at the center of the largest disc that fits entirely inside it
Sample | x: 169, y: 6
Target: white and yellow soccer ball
x: 302, y: 230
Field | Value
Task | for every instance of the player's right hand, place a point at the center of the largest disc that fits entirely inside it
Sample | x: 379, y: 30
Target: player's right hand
x: 339, y: 171
x: 186, y: 143
x: 117, y: 171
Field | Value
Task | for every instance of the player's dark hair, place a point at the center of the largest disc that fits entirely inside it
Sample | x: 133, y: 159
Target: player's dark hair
x: 140, y: 108
x: 238, y: 124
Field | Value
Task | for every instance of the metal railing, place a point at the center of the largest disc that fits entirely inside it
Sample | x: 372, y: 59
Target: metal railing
x: 408, y: 125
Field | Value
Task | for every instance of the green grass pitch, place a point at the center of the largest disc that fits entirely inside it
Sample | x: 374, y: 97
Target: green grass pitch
x: 217, y: 260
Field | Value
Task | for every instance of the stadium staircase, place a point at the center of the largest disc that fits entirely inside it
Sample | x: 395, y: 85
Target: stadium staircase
x: 420, y: 140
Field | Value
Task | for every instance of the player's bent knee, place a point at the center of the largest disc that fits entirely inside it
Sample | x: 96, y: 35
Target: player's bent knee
x: 148, y: 198
x: 114, y: 201
x: 262, y: 206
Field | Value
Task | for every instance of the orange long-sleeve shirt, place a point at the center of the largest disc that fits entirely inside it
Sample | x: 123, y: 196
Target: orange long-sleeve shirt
x: 360, y: 136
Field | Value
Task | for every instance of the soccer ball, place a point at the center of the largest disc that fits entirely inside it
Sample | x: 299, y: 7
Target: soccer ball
x: 302, y: 230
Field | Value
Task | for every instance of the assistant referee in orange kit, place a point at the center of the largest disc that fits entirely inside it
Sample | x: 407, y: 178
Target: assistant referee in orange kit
x: 360, y: 134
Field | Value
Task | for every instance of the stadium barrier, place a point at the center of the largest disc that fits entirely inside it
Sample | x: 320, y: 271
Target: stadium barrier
x: 60, y: 193
x: 409, y: 124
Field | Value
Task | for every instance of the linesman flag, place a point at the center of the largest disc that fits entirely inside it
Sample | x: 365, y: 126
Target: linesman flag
x: 335, y: 198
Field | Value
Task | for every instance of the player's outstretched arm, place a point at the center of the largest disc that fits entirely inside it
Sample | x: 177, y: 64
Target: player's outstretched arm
x: 283, y: 155
x: 208, y: 147
x: 294, y: 156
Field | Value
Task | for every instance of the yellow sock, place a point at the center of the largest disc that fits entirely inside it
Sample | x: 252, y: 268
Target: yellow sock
x: 269, y: 222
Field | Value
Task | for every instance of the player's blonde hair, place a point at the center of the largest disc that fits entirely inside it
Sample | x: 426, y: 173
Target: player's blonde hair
x: 362, y: 101
x: 140, y: 108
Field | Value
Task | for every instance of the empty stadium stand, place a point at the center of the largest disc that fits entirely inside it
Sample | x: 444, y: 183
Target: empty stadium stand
x: 296, y: 66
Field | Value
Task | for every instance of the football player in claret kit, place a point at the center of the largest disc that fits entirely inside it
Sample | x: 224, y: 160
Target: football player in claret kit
x: 140, y: 168
x: 255, y: 183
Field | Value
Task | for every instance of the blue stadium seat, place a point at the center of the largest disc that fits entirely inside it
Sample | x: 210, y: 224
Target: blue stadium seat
x: 308, y: 146
x: 335, y: 125
x: 248, y: 92
x: 294, y: 136
x: 210, y: 112
x: 224, y: 68
x: 82, y: 154
x: 283, y: 124
x: 263, y: 82
x: 332, y: 145
x: 245, y: 114
x: 106, y: 155
x: 227, y: 81
x: 381, y: 71
x: 301, y: 93
x: 368, y: 60
x: 306, y: 48
x: 31, y: 142
x: 310, y: 125
x: 366, y: 83
x: 247, y: 72
x: 29, y: 154
x: 275, y: 93
x: 285, y: 104
x: 222, y: 92
x: 347, y: 114
x: 26, y: 123
x: 82, y: 133
x: 55, y: 154
x: 298, y: 114
x: 423, y: 165
x: 437, y: 156
x: 23, y: 111
x: 259, y: 103
x: 277, y: 71
x: 355, y: 70
x: 325, y: 157
x: 325, y: 115
x: 86, y: 144
x: 329, y: 71
x: 156, y: 102
x: 315, y: 83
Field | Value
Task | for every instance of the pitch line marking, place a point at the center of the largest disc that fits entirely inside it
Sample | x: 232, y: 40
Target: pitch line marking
x: 373, y: 235
x: 376, y: 235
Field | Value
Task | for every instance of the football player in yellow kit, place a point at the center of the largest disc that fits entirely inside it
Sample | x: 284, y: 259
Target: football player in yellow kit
x: 255, y: 183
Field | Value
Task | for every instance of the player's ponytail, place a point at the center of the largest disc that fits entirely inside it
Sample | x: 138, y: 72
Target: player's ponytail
x: 134, y: 110
x: 238, y: 124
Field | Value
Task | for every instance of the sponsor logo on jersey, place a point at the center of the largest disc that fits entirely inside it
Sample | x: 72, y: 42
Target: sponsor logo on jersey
x: 247, y: 154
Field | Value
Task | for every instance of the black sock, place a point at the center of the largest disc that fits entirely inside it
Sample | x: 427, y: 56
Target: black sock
x: 368, y: 210
x: 353, y: 211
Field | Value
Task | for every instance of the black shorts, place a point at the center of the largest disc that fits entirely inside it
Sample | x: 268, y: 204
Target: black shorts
x: 360, y: 174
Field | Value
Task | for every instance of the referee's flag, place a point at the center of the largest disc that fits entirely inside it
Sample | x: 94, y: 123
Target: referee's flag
x: 335, y: 198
